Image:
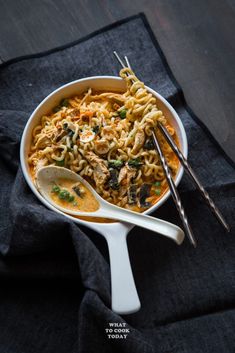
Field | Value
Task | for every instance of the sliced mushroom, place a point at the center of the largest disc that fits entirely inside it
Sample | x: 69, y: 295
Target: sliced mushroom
x: 113, y: 182
x: 101, y: 146
x: 144, y: 194
x: 79, y: 190
x: 87, y: 136
x: 132, y: 194
x: 108, y: 132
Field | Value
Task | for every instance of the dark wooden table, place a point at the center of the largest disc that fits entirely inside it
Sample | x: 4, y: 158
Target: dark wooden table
x: 197, y: 37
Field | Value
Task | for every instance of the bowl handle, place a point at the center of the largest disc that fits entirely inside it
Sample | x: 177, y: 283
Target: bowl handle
x: 125, y: 298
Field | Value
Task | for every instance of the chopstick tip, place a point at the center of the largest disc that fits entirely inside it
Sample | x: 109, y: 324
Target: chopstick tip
x: 194, y: 244
x: 192, y: 238
x: 222, y: 221
x: 118, y: 58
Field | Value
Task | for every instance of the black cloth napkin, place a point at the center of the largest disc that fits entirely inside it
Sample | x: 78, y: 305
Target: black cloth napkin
x: 55, y: 281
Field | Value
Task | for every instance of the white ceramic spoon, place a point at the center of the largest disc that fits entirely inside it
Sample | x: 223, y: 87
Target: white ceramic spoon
x: 47, y: 175
x: 125, y: 298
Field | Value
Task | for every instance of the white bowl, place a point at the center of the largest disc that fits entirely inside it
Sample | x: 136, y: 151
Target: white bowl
x: 77, y: 87
x: 111, y: 231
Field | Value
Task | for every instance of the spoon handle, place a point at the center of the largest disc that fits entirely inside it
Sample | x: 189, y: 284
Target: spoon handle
x: 156, y: 225
x: 125, y: 298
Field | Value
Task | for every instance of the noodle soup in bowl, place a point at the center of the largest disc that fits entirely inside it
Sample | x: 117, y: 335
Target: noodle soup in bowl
x: 114, y: 232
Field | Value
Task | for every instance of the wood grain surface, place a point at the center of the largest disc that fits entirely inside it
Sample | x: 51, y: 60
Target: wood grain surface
x: 197, y: 37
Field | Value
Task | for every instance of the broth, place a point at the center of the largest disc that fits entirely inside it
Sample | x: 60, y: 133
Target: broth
x: 74, y: 196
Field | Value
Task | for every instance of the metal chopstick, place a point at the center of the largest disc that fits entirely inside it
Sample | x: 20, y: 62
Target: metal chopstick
x: 127, y: 62
x: 122, y: 63
x: 174, y: 192
x: 192, y: 174
x: 119, y: 59
x: 167, y: 173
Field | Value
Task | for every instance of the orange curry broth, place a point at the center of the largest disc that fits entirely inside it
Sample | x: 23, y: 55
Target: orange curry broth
x: 153, y: 197
x: 86, y: 203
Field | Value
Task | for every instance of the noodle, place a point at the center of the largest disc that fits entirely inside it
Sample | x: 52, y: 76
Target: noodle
x: 106, y: 138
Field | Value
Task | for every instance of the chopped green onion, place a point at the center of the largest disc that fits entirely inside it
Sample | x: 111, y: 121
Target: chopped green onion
x: 115, y: 163
x: 71, y: 198
x: 122, y: 113
x: 75, y: 203
x: 64, y: 194
x: 60, y: 163
x: 158, y: 191
x: 55, y: 189
x: 157, y: 183
x: 135, y: 163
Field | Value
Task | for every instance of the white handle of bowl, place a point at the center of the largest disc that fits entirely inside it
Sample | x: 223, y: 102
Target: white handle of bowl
x: 125, y: 298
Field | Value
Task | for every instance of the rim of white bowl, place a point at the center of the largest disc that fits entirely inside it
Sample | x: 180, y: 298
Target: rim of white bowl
x: 30, y: 183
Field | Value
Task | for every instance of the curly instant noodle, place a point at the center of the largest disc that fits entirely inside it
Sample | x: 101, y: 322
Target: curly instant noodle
x: 106, y: 138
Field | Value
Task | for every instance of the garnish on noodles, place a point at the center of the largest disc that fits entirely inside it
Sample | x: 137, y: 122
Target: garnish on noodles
x: 106, y: 137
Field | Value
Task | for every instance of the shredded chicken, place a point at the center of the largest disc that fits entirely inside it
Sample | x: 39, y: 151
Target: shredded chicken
x: 43, y: 142
x: 126, y: 174
x: 101, y: 173
x: 139, y: 141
